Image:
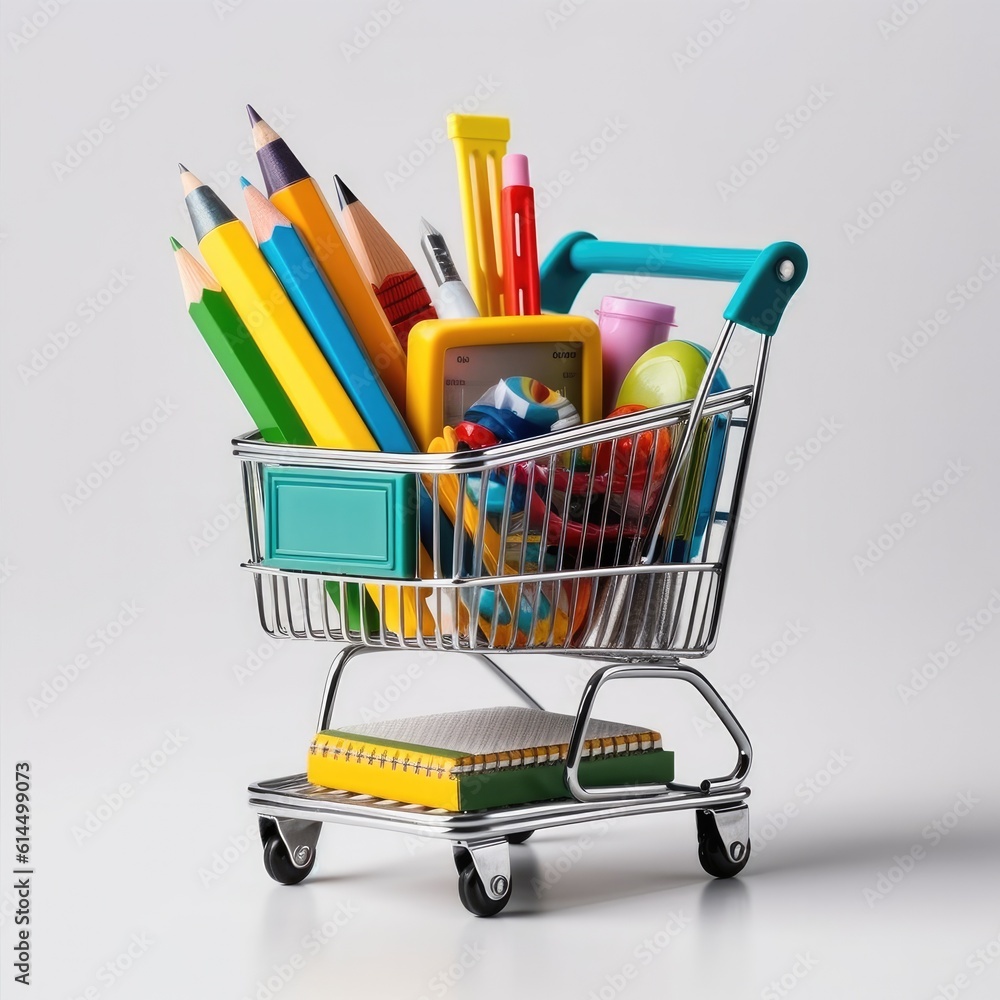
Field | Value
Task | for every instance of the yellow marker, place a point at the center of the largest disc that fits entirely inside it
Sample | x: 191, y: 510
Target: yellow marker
x: 283, y: 339
x: 480, y: 145
x: 296, y: 195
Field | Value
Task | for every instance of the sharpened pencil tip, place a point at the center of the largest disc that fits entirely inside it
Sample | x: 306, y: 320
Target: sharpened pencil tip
x: 344, y: 194
x: 182, y: 168
x: 244, y: 183
x: 175, y: 245
x: 254, y: 117
x: 426, y: 229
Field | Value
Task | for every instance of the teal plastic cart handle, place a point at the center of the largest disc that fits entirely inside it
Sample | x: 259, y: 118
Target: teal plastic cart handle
x: 767, y: 278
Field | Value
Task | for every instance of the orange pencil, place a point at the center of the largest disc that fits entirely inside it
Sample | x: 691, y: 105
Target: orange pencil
x: 298, y: 197
x: 397, y: 285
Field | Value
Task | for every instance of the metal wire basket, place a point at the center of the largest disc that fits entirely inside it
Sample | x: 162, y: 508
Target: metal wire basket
x: 584, y: 538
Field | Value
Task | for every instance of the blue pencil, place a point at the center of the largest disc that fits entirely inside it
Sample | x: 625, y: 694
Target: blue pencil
x: 292, y: 262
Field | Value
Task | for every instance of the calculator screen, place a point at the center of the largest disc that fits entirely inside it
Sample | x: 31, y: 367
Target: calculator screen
x: 470, y: 371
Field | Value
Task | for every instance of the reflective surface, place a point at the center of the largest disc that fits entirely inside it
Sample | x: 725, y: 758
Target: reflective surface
x: 592, y: 907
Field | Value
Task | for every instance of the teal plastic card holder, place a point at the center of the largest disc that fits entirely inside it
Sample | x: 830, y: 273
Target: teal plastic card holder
x: 339, y: 521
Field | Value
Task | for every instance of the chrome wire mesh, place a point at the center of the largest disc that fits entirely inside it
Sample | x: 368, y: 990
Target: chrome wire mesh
x: 561, y: 543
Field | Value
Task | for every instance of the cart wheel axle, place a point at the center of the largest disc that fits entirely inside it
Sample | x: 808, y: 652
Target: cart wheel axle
x: 289, y: 848
x: 278, y: 862
x: 473, y: 893
x: 483, y: 876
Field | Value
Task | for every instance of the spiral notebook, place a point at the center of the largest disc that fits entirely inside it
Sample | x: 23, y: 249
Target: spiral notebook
x: 481, y: 758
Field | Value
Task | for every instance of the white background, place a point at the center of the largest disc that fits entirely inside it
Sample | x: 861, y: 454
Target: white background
x: 692, y: 93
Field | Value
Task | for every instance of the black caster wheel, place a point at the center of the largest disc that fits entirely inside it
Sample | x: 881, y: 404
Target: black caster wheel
x: 712, y: 852
x: 519, y: 838
x: 279, y: 865
x: 473, y: 894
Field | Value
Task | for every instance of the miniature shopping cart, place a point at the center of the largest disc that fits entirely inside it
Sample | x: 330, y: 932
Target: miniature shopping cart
x: 585, y: 542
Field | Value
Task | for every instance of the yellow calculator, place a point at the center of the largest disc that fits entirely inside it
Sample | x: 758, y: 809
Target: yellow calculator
x: 452, y: 362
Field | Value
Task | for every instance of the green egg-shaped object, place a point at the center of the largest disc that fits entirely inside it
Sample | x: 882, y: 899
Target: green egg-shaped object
x: 667, y: 373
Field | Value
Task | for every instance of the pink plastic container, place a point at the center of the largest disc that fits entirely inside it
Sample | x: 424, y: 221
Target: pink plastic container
x: 629, y: 328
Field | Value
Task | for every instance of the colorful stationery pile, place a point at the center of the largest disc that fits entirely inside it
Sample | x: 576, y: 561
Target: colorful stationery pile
x: 330, y: 337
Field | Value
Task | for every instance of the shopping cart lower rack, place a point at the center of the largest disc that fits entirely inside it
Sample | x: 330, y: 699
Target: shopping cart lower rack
x: 610, y: 542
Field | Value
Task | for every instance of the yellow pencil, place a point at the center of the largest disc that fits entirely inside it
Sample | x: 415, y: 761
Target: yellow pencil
x: 283, y: 339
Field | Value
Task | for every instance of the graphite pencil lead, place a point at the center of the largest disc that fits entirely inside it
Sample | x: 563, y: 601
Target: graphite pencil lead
x: 189, y: 182
x: 182, y: 168
x: 344, y: 194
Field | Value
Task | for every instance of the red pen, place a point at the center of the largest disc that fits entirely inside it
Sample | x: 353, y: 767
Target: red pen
x: 517, y: 231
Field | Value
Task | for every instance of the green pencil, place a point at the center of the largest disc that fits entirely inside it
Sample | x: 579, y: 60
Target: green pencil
x: 238, y: 355
x: 257, y: 386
